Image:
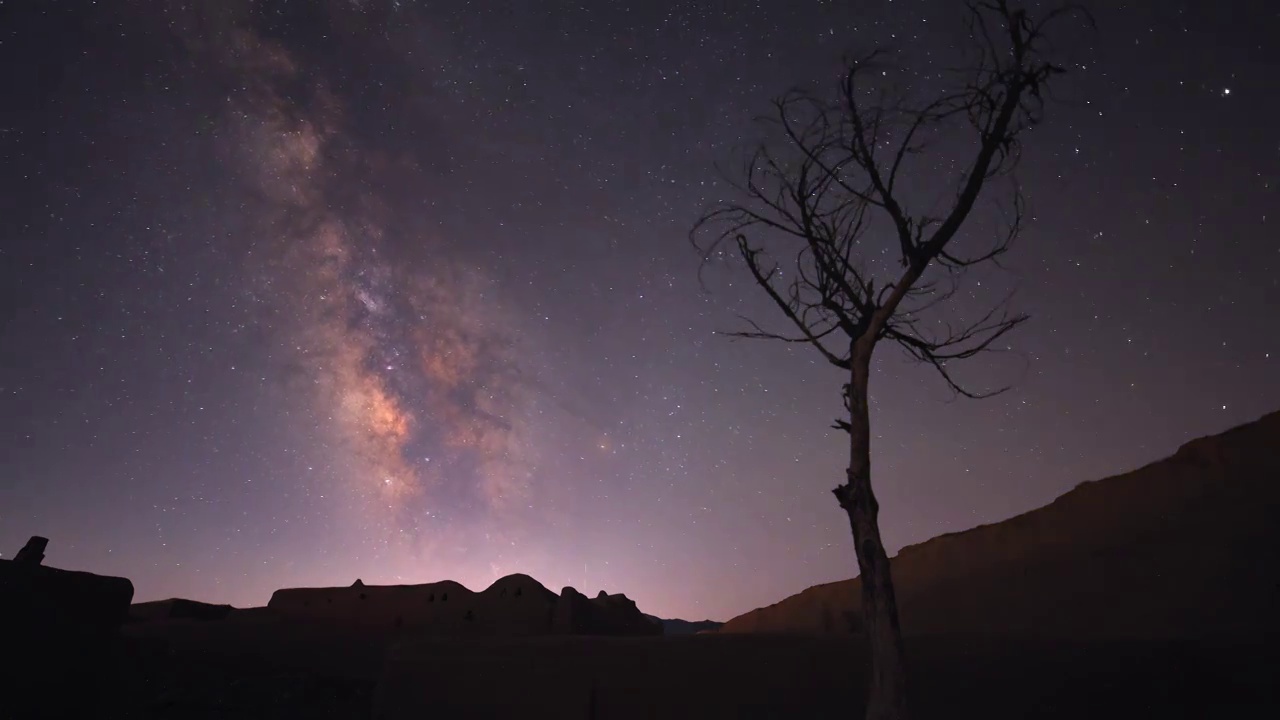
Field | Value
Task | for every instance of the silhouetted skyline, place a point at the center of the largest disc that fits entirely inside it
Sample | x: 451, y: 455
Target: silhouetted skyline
x: 297, y: 293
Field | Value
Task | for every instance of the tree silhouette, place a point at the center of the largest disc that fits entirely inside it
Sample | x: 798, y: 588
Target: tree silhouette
x: 829, y: 181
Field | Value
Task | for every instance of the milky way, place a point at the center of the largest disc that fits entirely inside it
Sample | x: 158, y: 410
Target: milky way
x: 407, y: 360
x: 412, y: 368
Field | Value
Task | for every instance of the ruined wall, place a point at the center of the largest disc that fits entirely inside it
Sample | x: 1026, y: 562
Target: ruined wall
x: 605, y: 614
x: 514, y: 605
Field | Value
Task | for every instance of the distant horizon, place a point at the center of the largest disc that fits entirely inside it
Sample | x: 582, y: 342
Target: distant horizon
x: 593, y: 592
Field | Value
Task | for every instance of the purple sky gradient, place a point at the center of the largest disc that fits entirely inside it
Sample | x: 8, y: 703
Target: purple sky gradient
x: 295, y: 293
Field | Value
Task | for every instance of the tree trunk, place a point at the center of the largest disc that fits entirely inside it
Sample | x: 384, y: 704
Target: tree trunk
x: 887, y: 697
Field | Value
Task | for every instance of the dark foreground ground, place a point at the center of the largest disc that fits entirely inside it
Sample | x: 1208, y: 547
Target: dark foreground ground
x: 259, y: 668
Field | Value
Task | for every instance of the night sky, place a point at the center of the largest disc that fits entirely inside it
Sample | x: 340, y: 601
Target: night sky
x: 293, y: 293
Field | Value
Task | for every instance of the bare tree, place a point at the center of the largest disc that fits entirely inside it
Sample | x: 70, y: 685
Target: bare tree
x: 828, y: 182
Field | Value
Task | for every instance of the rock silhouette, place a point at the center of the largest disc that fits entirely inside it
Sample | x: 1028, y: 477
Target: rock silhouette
x: 515, y: 605
x: 605, y: 614
x: 38, y: 598
x: 33, y: 552
x: 60, y: 632
x: 1180, y: 548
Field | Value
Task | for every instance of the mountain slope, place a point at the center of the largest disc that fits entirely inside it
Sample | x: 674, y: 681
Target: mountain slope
x: 1178, y: 548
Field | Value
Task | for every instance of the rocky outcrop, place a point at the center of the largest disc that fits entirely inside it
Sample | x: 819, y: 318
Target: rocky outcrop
x: 576, y: 614
x: 573, y: 614
x: 1178, y: 548
x: 618, y: 615
x: 59, y: 631
x: 33, y: 552
x: 515, y: 605
x: 37, y: 598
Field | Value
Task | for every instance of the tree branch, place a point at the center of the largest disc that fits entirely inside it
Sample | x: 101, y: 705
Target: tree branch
x: 832, y: 171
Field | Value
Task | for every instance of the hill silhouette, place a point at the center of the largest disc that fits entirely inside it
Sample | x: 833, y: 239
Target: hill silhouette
x: 685, y: 627
x: 1180, y: 548
x: 1149, y: 593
